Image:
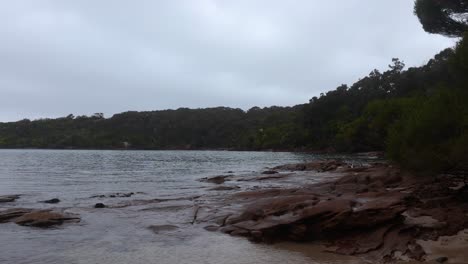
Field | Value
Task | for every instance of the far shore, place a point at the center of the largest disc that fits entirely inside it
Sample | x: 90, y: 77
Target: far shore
x: 375, y: 153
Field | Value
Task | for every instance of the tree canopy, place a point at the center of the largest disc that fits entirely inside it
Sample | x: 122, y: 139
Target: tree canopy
x: 445, y: 17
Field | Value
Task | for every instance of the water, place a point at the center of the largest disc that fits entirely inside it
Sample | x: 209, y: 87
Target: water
x: 121, y: 234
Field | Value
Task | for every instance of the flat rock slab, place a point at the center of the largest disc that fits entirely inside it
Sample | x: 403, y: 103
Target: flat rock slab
x: 321, y: 166
x: 216, y: 179
x: 7, y: 215
x: 115, y: 195
x: 162, y: 228
x: 36, y: 218
x: 224, y: 188
x: 44, y: 219
x: 8, y: 198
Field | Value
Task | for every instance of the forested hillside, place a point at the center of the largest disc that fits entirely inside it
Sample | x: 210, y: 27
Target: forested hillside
x: 419, y: 116
x: 221, y: 127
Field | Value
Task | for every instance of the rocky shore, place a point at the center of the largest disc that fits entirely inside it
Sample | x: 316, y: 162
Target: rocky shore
x: 378, y: 211
x: 375, y: 211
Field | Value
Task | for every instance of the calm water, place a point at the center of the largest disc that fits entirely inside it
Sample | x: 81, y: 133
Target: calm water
x: 121, y: 235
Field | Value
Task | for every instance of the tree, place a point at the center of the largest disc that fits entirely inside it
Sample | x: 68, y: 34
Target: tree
x: 98, y: 115
x: 397, y: 65
x: 445, y: 17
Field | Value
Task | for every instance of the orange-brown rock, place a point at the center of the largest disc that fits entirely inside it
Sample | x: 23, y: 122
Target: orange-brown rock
x: 378, y: 210
x: 43, y: 218
x: 216, y: 179
x: 36, y: 218
x: 326, y: 165
x: 10, y: 214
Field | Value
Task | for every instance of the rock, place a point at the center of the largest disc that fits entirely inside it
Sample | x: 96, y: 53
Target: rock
x: 378, y: 210
x: 270, y: 172
x: 8, y: 198
x: 272, y: 177
x: 162, y: 228
x: 224, y: 188
x: 36, y: 218
x: 211, y: 228
x: 99, y: 205
x: 10, y: 214
x: 216, y: 180
x: 52, y: 201
x: 292, y: 167
x: 423, y: 221
x: 299, y: 215
x: 361, y: 242
x: 441, y: 260
x: 114, y: 195
x: 321, y: 166
x: 43, y: 219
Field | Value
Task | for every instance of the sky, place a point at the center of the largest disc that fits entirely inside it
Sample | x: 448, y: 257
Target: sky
x: 60, y: 57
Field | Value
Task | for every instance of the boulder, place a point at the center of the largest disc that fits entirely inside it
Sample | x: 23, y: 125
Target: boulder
x: 99, y: 205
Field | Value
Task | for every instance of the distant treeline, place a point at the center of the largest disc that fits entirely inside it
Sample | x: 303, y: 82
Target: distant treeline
x: 210, y: 128
x: 419, y: 116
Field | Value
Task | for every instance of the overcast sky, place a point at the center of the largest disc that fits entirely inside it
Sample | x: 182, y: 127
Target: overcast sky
x: 86, y: 56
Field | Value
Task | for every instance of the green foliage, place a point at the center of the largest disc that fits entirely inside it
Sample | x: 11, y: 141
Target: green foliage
x: 446, y: 17
x: 369, y: 131
x: 431, y: 136
x: 459, y: 63
x: 211, y: 128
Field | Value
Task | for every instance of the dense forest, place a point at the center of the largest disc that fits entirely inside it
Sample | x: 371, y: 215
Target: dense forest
x: 419, y: 116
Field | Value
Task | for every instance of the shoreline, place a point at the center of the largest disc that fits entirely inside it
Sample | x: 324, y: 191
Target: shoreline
x: 373, y: 211
x: 377, y: 154
x: 377, y: 212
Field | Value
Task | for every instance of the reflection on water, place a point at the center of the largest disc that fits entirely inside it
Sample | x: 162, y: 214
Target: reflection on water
x: 122, y: 235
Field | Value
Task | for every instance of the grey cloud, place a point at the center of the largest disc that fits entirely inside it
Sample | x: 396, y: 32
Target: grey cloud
x: 63, y: 56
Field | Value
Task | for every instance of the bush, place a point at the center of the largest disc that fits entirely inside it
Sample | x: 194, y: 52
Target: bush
x: 432, y: 136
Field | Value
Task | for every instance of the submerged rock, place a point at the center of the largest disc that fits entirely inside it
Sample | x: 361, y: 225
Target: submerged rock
x: 162, y: 228
x: 114, y: 195
x: 8, y: 198
x: 270, y: 172
x: 224, y: 188
x: 99, y: 205
x: 52, y: 201
x: 216, y: 179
